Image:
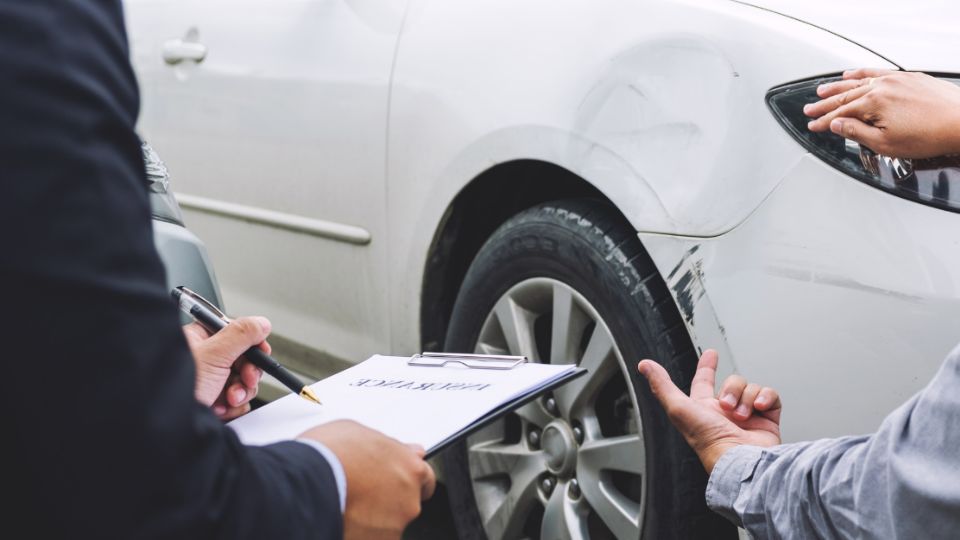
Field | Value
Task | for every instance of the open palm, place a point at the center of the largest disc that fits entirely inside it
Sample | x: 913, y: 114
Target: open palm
x: 744, y: 414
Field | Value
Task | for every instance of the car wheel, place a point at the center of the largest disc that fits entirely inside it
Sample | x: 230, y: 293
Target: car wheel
x: 569, y: 282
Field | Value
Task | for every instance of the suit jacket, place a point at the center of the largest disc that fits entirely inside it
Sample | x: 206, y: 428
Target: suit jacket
x: 102, y: 436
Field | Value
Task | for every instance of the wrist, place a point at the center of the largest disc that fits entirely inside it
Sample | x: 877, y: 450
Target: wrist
x: 710, y: 454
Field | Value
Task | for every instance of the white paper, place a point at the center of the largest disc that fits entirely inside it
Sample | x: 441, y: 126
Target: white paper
x: 413, y: 404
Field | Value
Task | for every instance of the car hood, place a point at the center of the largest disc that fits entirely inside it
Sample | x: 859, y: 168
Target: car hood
x: 917, y: 36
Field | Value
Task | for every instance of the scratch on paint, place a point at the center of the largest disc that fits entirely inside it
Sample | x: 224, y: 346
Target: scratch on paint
x: 834, y: 280
x: 687, y: 286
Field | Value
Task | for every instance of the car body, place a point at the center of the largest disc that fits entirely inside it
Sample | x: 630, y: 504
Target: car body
x: 346, y: 160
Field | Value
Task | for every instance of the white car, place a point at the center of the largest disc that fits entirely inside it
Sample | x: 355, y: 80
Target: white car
x: 595, y: 182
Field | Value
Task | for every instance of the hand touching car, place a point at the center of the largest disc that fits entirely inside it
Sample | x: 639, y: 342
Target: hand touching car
x: 895, y: 113
x: 745, y: 413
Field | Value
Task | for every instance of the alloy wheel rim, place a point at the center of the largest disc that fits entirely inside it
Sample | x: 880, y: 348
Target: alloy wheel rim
x: 566, y: 466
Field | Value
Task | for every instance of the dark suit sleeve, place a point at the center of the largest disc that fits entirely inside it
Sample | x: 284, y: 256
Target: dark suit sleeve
x: 102, y: 435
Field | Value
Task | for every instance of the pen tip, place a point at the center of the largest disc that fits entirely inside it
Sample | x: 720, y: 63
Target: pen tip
x: 308, y: 394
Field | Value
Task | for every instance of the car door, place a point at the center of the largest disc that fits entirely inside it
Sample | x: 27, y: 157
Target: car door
x: 271, y: 115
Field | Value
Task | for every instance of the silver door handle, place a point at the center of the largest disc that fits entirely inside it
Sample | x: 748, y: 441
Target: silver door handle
x: 179, y: 50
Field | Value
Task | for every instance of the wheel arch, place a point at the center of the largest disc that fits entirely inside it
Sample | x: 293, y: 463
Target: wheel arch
x: 485, y: 203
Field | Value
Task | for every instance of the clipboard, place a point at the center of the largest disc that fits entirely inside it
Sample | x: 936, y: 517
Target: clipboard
x: 472, y: 361
x: 485, y: 361
x: 432, y: 399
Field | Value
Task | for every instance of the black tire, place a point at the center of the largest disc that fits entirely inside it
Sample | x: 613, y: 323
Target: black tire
x: 589, y: 246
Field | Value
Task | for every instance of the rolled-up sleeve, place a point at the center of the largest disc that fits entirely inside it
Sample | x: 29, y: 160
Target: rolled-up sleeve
x: 901, y: 482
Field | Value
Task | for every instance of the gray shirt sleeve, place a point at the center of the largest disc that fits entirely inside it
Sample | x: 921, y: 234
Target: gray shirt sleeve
x: 901, y: 482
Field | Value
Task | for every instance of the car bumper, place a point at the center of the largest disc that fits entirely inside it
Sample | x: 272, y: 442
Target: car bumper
x: 186, y: 261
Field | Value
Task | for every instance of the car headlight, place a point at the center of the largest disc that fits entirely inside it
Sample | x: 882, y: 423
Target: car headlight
x: 163, y: 205
x: 935, y: 182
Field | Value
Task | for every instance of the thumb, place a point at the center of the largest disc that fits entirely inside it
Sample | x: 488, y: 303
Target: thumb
x: 674, y: 401
x: 230, y: 343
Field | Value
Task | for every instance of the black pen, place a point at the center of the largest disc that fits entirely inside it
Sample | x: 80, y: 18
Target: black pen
x: 213, y: 320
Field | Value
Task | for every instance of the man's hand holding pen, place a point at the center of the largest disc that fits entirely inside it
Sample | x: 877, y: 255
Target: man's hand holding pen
x: 224, y: 380
x: 386, y: 480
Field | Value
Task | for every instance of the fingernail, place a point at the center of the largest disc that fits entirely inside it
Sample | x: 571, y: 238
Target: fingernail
x: 806, y: 108
x: 729, y: 399
x: 219, y: 410
x: 240, y: 393
x: 836, y: 126
x: 743, y: 410
x: 761, y: 400
x: 264, y: 323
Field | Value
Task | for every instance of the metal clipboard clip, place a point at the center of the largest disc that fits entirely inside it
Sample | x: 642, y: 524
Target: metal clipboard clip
x: 472, y: 361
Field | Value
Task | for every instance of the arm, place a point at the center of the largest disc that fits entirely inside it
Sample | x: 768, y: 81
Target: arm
x: 109, y: 440
x: 107, y: 437
x: 901, y: 482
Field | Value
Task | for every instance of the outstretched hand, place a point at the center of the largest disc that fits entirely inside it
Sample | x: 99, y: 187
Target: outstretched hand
x: 745, y: 413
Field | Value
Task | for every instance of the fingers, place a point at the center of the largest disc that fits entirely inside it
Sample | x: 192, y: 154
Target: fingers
x: 250, y: 375
x: 744, y: 408
x: 834, y: 102
x: 863, y: 73
x: 230, y: 343
x: 429, y: 484
x: 706, y: 376
x: 732, y: 389
x: 678, y: 405
x: 852, y: 79
x: 229, y: 413
x: 767, y: 399
x: 768, y: 404
x: 742, y: 399
x: 428, y: 477
x: 838, y: 87
x: 859, y: 131
x: 242, y: 385
x: 237, y: 394
x: 858, y: 109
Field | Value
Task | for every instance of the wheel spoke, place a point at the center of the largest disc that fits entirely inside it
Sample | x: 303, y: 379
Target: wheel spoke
x: 618, y: 512
x: 517, y: 326
x: 535, y: 414
x: 567, y: 325
x: 486, y: 348
x: 564, y: 518
x: 625, y: 453
x: 505, y: 519
x: 495, y: 458
x: 600, y: 363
